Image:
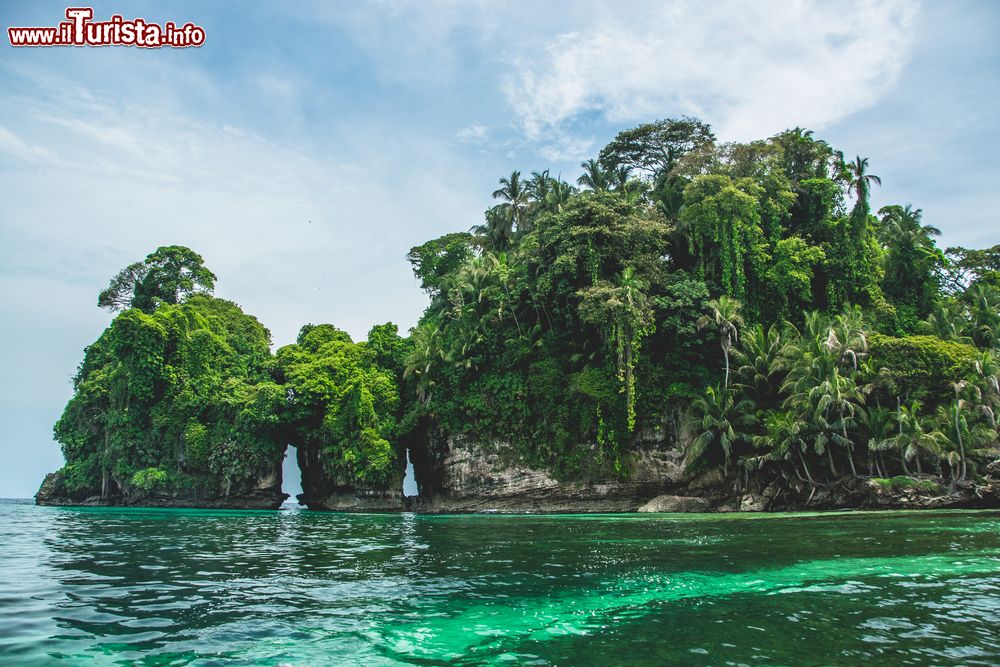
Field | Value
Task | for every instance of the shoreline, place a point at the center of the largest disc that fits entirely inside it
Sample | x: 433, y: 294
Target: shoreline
x: 513, y: 490
x: 918, y: 504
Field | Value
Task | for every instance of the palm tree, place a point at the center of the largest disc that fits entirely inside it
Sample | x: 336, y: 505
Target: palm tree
x: 512, y: 191
x: 618, y: 177
x: 912, y: 256
x: 784, y: 439
x: 759, y: 354
x: 917, y: 435
x: 497, y: 230
x: 946, y: 324
x: 861, y: 181
x: 987, y: 381
x: 985, y: 312
x: 825, y: 396
x: 721, y: 423
x: 840, y: 395
x: 880, y: 425
x: 724, y: 316
x: 502, y: 273
x: 594, y: 176
x: 539, y: 186
x: 826, y: 406
x: 848, y: 336
x: 956, y: 410
x: 424, y: 354
x: 559, y: 195
x: 901, y: 226
x: 959, y: 439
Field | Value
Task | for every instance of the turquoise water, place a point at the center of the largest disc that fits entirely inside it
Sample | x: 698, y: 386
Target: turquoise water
x: 177, y: 587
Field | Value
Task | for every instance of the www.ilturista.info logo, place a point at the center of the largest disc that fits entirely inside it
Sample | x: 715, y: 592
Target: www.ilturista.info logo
x: 80, y: 30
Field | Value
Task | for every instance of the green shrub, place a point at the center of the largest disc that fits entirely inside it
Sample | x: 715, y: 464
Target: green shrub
x: 921, y: 365
x: 149, y: 479
x: 81, y: 475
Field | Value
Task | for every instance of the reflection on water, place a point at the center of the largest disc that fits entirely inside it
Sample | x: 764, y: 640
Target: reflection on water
x: 120, y: 586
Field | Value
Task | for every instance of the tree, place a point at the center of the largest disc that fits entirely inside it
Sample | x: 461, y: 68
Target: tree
x: 827, y: 401
x: 558, y: 196
x: 175, y: 399
x: 880, y: 425
x: 498, y: 230
x: 168, y: 275
x: 721, y: 423
x: 594, y: 176
x: 433, y: 261
x: 912, y: 259
x: 820, y: 383
x: 759, y: 353
x: 901, y: 226
x: 539, y: 186
x: 960, y: 438
x: 984, y: 307
x: 946, y: 323
x: 803, y: 157
x: 514, y: 194
x: 722, y: 220
x: 860, y: 183
x: 790, y: 275
x: 656, y: 147
x: 343, y: 406
x: 724, y: 316
x: 917, y: 435
x: 965, y: 267
x: 622, y: 308
x: 783, y: 440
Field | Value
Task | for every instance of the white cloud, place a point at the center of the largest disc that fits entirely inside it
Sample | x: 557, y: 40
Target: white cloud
x: 17, y: 148
x: 295, y: 235
x: 750, y: 69
x: 561, y: 146
x: 409, y: 42
x: 472, y: 134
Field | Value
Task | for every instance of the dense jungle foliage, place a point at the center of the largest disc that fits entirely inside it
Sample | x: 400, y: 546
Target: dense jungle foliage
x: 744, y: 297
x: 741, y: 299
x: 182, y: 392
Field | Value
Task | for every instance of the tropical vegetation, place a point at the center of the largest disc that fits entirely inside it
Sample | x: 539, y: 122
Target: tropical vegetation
x: 741, y: 301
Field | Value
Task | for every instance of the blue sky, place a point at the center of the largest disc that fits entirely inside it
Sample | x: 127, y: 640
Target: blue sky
x: 307, y: 146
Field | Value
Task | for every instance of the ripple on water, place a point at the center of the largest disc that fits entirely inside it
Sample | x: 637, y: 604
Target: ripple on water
x: 188, y: 587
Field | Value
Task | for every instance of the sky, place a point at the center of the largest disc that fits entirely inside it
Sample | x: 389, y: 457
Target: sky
x: 306, y: 146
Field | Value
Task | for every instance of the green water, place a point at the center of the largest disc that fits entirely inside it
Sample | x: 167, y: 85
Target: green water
x: 175, y: 587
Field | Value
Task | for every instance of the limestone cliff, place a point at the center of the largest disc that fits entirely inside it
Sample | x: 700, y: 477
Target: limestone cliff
x: 205, y: 491
x: 468, y: 476
x: 459, y: 475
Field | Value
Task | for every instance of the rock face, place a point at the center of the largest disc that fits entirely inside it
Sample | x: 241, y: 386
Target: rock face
x: 475, y: 477
x: 478, y: 478
x: 264, y: 494
x: 667, y: 503
x: 351, y: 499
x: 964, y: 495
x: 322, y: 492
x: 53, y: 491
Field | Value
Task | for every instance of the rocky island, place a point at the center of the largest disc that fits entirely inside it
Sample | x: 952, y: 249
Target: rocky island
x: 693, y: 326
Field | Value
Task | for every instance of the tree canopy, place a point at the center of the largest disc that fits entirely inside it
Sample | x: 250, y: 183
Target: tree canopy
x: 168, y: 275
x: 739, y: 300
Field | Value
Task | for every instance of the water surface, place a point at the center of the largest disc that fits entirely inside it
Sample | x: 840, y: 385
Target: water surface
x: 179, y: 587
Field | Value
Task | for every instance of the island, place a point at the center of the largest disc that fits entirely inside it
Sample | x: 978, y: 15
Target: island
x: 692, y: 326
